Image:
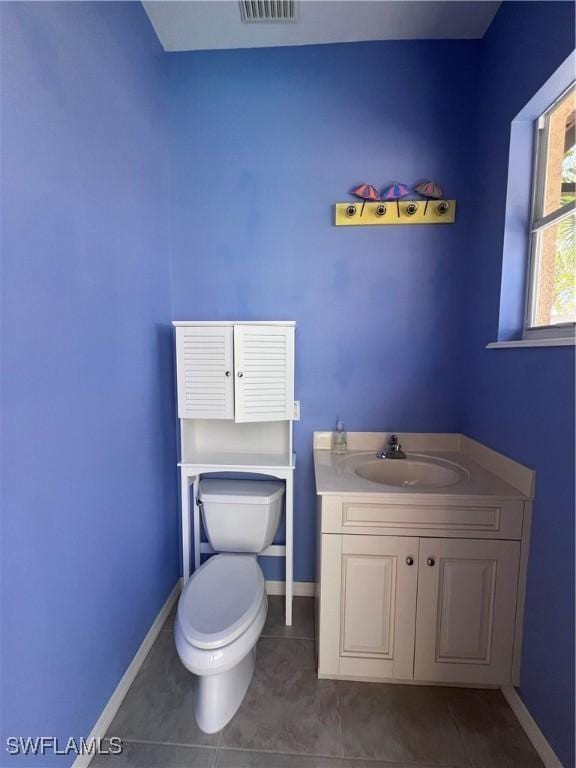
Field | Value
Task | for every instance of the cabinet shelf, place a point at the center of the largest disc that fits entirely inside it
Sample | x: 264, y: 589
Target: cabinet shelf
x: 239, y: 461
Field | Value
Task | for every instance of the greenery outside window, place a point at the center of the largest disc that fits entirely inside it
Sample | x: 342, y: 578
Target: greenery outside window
x: 551, y: 293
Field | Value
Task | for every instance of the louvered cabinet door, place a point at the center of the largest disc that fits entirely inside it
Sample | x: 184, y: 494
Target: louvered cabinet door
x: 205, y: 372
x: 264, y: 372
x: 467, y: 592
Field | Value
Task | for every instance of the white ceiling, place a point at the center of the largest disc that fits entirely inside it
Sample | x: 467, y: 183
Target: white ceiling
x: 192, y: 25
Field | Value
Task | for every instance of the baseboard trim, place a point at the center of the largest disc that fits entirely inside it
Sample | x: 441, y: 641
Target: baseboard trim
x: 299, y: 588
x: 539, y: 742
x: 109, y: 712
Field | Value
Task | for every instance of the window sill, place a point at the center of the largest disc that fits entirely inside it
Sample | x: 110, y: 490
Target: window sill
x: 559, y: 342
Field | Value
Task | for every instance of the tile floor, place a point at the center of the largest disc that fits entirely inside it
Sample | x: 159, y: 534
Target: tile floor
x: 290, y: 719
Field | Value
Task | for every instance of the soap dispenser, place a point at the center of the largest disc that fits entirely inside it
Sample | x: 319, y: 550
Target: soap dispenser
x: 339, y: 439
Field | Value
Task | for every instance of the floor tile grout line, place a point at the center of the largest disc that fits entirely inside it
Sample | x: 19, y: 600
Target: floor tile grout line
x: 319, y: 755
x: 287, y: 639
x: 264, y: 636
x: 214, y: 757
x: 215, y: 749
x: 170, y: 631
x: 218, y: 747
x: 157, y: 743
x: 323, y: 756
x: 460, y: 735
x: 284, y: 637
x: 339, y: 715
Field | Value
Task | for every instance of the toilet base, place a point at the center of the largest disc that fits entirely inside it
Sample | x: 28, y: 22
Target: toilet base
x: 218, y: 697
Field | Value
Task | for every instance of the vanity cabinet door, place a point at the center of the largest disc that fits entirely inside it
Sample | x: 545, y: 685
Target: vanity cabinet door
x: 368, y: 607
x: 264, y: 372
x: 205, y: 372
x: 466, y: 610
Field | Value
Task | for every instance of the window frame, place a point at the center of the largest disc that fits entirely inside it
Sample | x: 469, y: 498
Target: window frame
x: 539, y: 223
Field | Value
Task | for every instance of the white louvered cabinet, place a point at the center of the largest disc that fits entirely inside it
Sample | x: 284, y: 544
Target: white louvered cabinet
x: 240, y: 372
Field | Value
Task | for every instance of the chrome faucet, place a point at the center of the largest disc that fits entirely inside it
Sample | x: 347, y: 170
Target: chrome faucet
x: 392, y: 449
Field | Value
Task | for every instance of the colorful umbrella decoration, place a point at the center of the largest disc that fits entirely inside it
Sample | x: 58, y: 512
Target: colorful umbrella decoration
x: 365, y: 192
x: 395, y: 192
x: 430, y: 190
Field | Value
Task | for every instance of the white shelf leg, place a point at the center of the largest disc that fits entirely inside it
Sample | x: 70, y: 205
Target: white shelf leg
x: 185, y: 513
x: 289, y: 545
x: 196, y: 524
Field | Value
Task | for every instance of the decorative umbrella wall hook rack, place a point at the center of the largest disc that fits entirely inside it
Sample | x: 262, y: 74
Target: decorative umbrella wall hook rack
x: 392, y: 207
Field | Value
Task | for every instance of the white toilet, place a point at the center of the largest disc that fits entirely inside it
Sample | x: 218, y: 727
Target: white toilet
x: 222, y: 609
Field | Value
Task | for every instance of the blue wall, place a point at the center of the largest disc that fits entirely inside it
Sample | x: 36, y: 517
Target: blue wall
x: 263, y: 143
x: 521, y: 402
x: 392, y: 323
x: 89, y: 527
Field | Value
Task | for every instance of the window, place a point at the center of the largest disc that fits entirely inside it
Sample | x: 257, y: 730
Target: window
x: 551, y: 295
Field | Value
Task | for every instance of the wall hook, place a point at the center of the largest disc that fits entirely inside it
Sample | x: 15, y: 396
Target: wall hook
x: 409, y: 212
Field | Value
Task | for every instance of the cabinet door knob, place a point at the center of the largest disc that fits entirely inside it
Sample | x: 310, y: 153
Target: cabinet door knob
x: 240, y: 374
x: 409, y: 561
x: 431, y: 561
x: 228, y: 373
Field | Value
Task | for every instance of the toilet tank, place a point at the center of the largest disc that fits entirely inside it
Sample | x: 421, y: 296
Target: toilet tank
x: 241, y: 515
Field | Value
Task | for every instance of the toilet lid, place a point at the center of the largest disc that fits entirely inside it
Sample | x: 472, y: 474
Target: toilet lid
x: 221, y: 600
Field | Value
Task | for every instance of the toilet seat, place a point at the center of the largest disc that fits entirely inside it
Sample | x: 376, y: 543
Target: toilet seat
x: 221, y: 601
x: 205, y: 662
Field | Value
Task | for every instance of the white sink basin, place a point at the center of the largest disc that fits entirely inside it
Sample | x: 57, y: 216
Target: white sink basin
x: 412, y: 472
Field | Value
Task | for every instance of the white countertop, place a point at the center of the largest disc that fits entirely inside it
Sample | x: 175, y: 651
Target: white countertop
x: 334, y: 478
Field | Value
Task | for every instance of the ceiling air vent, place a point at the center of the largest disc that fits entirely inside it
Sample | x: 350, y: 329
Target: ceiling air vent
x: 253, y: 11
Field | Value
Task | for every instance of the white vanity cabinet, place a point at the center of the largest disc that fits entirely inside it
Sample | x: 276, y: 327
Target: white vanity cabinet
x: 240, y: 372
x: 437, y: 602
